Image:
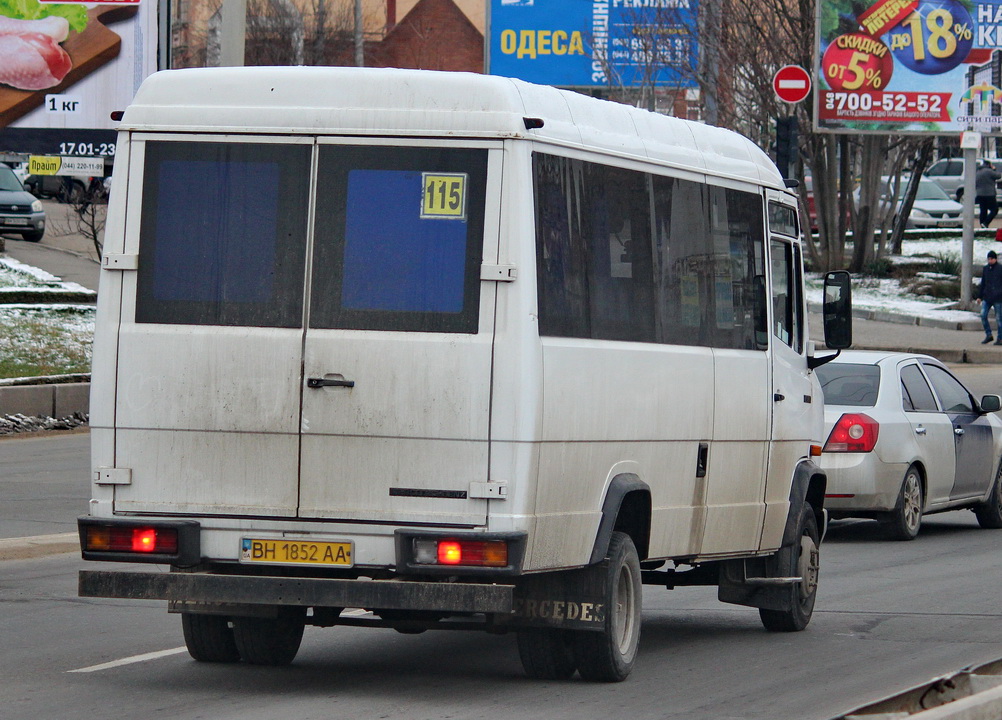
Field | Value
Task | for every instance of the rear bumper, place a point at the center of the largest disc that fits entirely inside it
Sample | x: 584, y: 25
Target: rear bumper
x: 249, y: 590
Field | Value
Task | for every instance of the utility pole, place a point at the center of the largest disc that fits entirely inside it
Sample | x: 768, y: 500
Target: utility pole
x: 359, y: 38
x: 233, y: 33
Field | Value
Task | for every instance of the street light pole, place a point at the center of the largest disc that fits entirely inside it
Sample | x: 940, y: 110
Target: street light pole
x: 359, y: 39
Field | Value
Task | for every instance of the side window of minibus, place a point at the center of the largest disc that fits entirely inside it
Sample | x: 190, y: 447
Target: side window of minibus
x: 787, y: 320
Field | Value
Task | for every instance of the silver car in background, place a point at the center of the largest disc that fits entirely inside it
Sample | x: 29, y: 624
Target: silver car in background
x: 906, y: 438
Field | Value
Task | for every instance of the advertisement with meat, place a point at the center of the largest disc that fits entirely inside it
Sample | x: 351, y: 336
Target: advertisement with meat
x: 922, y: 66
x: 66, y: 66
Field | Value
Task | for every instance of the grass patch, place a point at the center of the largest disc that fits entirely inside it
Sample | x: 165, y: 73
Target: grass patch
x: 40, y: 340
x: 946, y: 263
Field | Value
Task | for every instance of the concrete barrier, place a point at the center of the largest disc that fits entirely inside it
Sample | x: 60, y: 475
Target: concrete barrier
x: 46, y: 400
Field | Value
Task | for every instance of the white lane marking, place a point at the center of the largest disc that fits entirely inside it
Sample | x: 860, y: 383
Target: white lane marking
x: 130, y: 660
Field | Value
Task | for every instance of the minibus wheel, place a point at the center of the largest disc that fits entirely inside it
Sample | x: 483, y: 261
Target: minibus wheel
x: 270, y: 641
x: 608, y: 655
x: 801, y: 560
x: 209, y: 638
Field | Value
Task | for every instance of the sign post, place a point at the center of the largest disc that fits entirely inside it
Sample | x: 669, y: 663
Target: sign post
x: 970, y: 143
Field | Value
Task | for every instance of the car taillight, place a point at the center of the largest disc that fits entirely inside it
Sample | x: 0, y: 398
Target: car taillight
x: 136, y: 539
x: 854, y: 432
x: 452, y: 551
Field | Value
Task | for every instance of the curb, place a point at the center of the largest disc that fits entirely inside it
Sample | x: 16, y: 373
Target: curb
x: 889, y: 316
x: 974, y: 693
x: 46, y: 399
x: 38, y: 546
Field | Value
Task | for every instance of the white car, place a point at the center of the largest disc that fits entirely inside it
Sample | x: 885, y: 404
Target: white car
x: 906, y: 438
x: 932, y: 207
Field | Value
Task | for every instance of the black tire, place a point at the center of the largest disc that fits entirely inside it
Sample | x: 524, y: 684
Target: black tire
x: 905, y: 519
x: 960, y: 194
x: 609, y: 654
x: 270, y: 641
x: 33, y: 236
x: 209, y: 638
x: 989, y: 513
x: 547, y: 653
x: 802, y: 561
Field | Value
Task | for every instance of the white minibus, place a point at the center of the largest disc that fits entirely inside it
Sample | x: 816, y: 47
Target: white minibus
x: 447, y: 350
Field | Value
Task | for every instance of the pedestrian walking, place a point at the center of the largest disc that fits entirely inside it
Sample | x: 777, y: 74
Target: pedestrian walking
x: 990, y: 292
x: 985, y: 192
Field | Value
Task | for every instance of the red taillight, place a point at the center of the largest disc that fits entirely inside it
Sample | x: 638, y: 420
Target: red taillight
x: 450, y: 552
x: 854, y: 432
x: 468, y: 553
x: 131, y: 539
x: 144, y: 540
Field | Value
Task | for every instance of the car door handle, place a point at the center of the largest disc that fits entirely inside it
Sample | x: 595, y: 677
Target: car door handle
x: 920, y: 430
x: 958, y: 431
x: 329, y: 382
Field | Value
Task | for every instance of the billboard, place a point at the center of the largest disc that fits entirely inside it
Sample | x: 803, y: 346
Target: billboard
x: 915, y: 66
x: 65, y: 67
x: 594, y: 43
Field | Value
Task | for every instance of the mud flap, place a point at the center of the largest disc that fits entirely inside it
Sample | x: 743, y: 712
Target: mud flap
x: 569, y: 600
x: 752, y: 582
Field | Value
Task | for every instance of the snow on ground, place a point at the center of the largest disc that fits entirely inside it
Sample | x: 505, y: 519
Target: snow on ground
x: 886, y: 294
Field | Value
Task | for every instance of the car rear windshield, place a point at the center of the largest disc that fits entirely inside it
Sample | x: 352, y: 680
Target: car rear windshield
x: 849, y: 384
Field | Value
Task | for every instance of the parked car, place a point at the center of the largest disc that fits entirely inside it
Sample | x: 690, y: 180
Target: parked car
x: 20, y: 212
x: 932, y: 207
x: 905, y: 439
x: 948, y: 173
x: 63, y: 188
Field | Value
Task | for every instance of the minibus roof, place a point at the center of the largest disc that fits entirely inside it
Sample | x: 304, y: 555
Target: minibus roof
x: 420, y: 103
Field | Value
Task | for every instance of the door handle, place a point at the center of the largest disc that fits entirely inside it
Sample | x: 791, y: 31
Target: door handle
x: 958, y: 431
x: 337, y: 381
x: 920, y: 430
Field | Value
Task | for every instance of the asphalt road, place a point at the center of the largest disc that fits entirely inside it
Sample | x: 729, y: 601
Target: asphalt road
x: 44, y: 483
x: 889, y: 615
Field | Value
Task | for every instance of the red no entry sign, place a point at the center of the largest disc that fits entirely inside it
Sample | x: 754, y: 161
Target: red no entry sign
x: 791, y: 83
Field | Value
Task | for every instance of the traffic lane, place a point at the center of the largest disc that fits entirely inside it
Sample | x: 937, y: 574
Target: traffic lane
x: 44, y: 482
x: 890, y: 615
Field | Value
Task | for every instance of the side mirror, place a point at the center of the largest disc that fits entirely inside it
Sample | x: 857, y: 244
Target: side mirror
x: 837, y: 310
x: 991, y: 403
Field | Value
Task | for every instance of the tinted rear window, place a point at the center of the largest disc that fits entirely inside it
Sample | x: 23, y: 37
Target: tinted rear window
x: 849, y: 384
x: 399, y: 238
x: 223, y: 234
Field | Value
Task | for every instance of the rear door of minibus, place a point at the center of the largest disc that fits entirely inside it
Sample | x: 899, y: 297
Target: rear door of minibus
x: 207, y: 407
x: 396, y: 409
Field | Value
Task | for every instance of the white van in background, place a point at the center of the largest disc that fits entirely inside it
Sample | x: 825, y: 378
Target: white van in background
x: 454, y: 349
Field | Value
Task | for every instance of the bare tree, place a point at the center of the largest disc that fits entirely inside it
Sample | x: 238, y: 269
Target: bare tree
x: 86, y: 216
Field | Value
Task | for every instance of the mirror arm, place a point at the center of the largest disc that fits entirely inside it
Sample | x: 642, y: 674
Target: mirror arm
x: 816, y: 362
